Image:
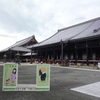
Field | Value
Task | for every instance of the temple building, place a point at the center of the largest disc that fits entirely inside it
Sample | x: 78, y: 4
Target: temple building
x: 77, y: 43
x: 18, y: 50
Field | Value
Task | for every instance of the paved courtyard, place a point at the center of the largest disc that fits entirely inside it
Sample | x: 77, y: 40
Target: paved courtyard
x: 65, y: 84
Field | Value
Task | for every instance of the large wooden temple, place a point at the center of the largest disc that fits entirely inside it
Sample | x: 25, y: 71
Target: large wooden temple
x: 77, y: 43
x: 18, y: 49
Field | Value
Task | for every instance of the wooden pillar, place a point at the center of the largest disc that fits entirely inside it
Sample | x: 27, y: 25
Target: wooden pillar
x: 54, y: 56
x: 11, y: 54
x: 0, y: 57
x: 91, y: 54
x: 57, y: 56
x: 31, y: 57
x: 61, y: 52
x: 46, y: 56
x: 68, y: 53
x: 75, y: 54
x: 87, y: 54
x: 40, y: 55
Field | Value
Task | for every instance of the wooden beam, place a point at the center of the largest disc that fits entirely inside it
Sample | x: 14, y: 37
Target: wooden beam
x: 31, y: 57
x: 87, y: 53
x: 75, y: 54
x: 61, y: 52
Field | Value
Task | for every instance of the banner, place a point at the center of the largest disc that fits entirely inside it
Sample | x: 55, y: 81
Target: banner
x: 43, y: 77
x: 10, y: 77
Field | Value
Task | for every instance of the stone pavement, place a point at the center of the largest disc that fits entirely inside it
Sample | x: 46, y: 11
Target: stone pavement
x: 90, y: 89
x: 62, y: 81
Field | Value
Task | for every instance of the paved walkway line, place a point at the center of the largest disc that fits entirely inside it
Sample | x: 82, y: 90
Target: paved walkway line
x: 90, y: 89
x: 76, y: 68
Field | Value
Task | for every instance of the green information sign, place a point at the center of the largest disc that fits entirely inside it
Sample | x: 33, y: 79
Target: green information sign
x: 43, y: 77
x: 10, y: 77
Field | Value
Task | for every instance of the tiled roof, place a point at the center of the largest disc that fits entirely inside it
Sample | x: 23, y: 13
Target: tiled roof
x: 20, y: 49
x: 83, y: 30
x: 18, y: 46
x: 22, y: 42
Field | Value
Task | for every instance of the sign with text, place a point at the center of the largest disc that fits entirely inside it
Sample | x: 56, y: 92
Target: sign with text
x: 10, y: 77
x: 43, y: 77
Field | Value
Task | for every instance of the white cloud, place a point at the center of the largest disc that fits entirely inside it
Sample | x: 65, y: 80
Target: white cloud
x: 22, y: 18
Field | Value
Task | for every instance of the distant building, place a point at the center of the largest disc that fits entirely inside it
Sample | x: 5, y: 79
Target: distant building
x: 18, y: 49
x: 77, y: 43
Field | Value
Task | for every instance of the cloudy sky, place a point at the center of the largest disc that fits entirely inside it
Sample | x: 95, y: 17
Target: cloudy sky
x: 23, y: 18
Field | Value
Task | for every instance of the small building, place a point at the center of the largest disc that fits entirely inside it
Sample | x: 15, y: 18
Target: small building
x: 77, y: 43
x: 18, y: 49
